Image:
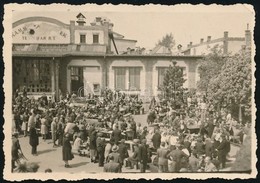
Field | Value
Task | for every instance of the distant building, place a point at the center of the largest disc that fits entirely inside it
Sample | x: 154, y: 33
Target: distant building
x: 227, y: 44
x: 54, y: 58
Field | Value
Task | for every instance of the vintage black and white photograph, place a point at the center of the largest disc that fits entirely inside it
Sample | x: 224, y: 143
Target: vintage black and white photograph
x: 147, y: 91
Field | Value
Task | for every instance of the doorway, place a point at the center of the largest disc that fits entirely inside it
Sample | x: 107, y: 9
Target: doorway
x: 77, y: 81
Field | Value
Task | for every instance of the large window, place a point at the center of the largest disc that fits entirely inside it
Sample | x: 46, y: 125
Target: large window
x: 95, y: 38
x: 83, y: 38
x: 127, y: 78
x: 134, y: 78
x: 161, y: 74
x: 34, y: 74
x: 120, y: 75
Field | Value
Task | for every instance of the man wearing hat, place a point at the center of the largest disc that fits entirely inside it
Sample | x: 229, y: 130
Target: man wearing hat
x: 116, y: 156
x: 111, y: 166
x: 143, y: 155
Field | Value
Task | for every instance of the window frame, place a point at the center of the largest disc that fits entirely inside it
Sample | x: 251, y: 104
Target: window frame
x: 96, y: 34
x: 80, y: 40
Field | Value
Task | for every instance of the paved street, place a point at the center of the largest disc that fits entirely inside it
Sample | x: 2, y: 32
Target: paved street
x: 49, y: 157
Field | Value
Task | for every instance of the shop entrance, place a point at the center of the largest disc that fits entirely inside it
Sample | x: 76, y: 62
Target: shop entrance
x: 77, y: 81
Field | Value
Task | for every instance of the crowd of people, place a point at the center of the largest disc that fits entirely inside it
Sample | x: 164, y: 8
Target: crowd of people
x: 188, y: 137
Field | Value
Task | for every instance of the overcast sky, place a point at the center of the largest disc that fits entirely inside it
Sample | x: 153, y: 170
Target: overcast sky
x: 147, y: 24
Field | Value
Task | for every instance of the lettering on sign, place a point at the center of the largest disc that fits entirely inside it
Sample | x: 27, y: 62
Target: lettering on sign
x: 40, y: 32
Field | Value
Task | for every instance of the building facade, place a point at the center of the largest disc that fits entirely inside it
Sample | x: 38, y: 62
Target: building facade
x: 228, y: 45
x: 54, y: 58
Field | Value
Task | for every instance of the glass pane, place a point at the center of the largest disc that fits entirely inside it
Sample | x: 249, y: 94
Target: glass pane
x: 134, y: 78
x: 120, y: 78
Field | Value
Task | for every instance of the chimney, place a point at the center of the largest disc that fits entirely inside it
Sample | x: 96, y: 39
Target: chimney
x: 248, y: 38
x: 98, y: 20
x: 81, y: 19
x: 201, y: 40
x: 225, y: 34
x: 225, y: 42
x: 208, y: 38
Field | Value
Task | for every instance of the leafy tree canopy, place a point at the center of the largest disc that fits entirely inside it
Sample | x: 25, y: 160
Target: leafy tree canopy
x: 167, y: 41
x: 173, y: 83
x: 233, y: 83
x: 210, y: 66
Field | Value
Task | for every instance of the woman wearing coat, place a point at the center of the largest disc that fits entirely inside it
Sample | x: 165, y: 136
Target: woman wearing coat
x: 34, y: 140
x: 66, y: 150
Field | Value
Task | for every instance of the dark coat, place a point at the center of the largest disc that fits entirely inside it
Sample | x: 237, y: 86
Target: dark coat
x: 123, y: 151
x: 34, y: 138
x: 92, y: 140
x: 116, y: 136
x: 112, y: 167
x: 156, y: 139
x: 144, y: 154
x: 222, y: 149
x: 66, y: 150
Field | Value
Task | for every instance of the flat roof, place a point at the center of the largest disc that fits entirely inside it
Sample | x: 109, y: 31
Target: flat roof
x: 83, y: 54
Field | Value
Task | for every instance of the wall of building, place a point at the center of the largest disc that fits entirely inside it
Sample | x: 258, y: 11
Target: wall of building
x: 92, y: 73
x: 89, y: 36
x: 126, y: 64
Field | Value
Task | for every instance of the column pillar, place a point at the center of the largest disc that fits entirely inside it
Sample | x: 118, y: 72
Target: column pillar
x: 53, y: 77
x: 57, y: 88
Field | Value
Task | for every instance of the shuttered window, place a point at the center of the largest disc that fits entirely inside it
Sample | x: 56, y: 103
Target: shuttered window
x: 120, y: 75
x: 134, y: 78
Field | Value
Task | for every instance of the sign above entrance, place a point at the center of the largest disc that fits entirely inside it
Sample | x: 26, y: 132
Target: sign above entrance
x: 40, y: 32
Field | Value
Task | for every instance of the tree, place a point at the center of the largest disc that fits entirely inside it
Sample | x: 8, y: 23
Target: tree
x: 233, y: 84
x: 173, y: 83
x: 209, y: 67
x: 167, y: 41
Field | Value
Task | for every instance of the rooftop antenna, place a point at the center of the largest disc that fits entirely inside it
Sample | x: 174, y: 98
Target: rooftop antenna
x: 247, y: 25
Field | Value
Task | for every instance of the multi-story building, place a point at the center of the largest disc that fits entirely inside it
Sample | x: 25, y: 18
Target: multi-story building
x: 52, y: 57
x: 227, y: 44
